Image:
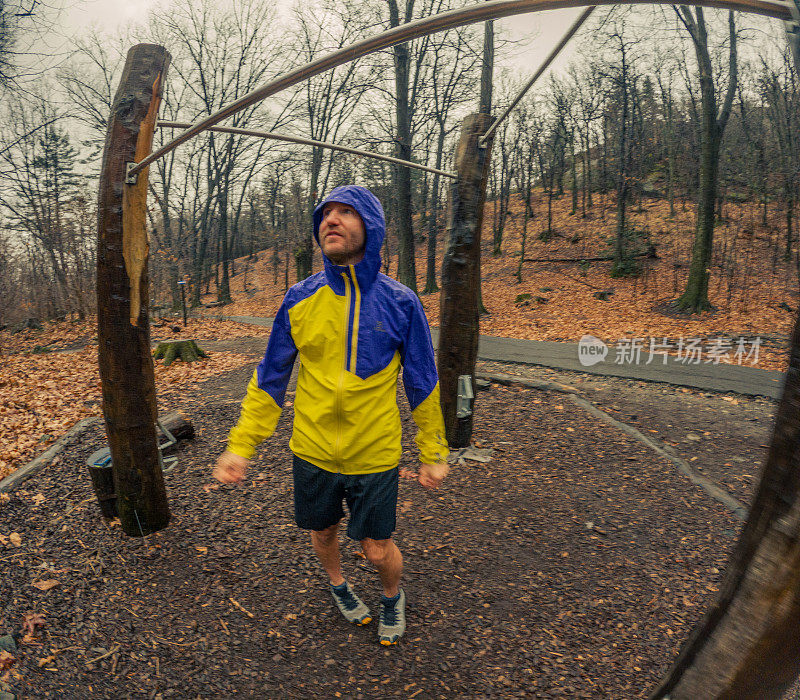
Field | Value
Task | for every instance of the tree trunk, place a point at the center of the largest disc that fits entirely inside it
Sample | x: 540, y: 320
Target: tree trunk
x: 304, y: 252
x: 126, y: 366
x: 789, y: 216
x: 574, y: 175
x: 505, y: 195
x: 224, y: 288
x: 487, y: 69
x: 458, y: 336
x: 433, y: 220
x: 406, y: 267
x: 746, y: 646
x: 695, y: 297
x: 619, y: 267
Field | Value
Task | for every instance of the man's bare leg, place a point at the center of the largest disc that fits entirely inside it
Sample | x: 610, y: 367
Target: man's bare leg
x: 388, y: 560
x: 326, y: 545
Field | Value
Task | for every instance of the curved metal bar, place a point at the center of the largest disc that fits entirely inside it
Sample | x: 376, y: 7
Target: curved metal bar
x: 308, y: 142
x: 545, y: 65
x: 492, y: 9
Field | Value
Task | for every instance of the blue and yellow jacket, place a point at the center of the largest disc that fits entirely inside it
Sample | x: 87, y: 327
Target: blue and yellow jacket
x: 352, y: 328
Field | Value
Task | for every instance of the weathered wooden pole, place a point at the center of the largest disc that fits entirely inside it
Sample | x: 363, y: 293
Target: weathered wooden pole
x: 126, y: 366
x: 458, y: 332
x: 746, y: 647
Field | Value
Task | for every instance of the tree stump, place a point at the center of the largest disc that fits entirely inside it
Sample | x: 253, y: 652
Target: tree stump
x: 185, y: 350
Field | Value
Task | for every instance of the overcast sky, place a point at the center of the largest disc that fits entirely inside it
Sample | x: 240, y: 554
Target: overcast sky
x: 541, y: 31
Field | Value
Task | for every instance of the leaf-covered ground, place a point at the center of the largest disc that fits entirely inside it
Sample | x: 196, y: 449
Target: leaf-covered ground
x: 43, y: 394
x: 572, y: 566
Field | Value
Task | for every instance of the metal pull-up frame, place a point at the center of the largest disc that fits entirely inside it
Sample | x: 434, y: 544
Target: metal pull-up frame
x: 493, y: 9
x: 309, y: 142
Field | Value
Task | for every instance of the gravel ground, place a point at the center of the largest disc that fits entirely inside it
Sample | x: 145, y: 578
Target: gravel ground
x: 572, y: 565
x: 722, y: 436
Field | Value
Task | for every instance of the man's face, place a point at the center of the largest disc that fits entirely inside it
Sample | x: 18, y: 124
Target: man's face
x: 341, y: 233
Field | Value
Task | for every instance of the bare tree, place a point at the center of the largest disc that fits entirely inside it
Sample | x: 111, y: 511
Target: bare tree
x: 221, y: 54
x: 780, y: 93
x: 712, y: 123
x: 41, y: 197
x: 326, y: 103
x: 452, y: 78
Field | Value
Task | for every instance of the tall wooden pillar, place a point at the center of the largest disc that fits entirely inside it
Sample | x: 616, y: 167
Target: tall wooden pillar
x: 458, y: 332
x: 126, y: 365
x: 746, y: 646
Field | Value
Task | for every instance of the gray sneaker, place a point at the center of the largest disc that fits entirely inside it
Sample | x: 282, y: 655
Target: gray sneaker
x: 392, y: 620
x: 350, y: 605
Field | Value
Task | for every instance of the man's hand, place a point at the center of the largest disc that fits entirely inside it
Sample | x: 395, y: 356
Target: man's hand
x: 230, y: 468
x: 429, y: 475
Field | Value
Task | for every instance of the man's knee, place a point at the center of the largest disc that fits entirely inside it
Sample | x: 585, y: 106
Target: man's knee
x: 376, y: 551
x: 326, y: 536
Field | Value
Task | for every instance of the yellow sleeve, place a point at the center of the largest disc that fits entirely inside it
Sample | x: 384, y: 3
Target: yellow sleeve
x: 257, y: 420
x: 430, y: 438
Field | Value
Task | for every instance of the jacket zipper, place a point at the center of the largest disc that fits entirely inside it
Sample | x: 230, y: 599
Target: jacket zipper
x: 356, y: 312
x: 340, y: 386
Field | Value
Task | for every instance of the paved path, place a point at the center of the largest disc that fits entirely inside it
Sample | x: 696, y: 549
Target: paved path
x: 743, y: 379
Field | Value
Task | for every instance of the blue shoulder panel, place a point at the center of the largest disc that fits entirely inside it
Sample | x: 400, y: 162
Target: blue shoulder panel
x: 392, y: 320
x: 419, y: 366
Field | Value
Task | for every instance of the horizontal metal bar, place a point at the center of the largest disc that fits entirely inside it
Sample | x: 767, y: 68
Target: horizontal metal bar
x: 576, y: 25
x: 309, y: 142
x: 492, y: 9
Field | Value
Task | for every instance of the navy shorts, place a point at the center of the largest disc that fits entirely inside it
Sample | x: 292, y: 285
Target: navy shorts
x: 371, y: 500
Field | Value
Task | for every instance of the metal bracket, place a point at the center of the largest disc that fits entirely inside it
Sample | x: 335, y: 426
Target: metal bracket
x: 131, y: 179
x: 465, y: 396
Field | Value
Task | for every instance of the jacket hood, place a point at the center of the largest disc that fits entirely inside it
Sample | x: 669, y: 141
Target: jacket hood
x: 371, y: 213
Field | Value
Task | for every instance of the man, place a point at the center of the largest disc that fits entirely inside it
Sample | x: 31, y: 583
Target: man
x: 352, y: 328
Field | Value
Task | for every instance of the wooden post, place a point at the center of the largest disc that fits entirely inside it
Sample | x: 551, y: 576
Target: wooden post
x: 746, y: 646
x: 126, y: 366
x: 458, y: 333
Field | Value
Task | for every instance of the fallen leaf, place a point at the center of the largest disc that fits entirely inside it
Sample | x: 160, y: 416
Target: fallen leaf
x: 209, y: 487
x: 6, y: 660
x: 15, y: 539
x: 32, y: 622
x: 45, y: 585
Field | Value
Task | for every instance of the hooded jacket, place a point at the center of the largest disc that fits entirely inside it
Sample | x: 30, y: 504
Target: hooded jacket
x: 352, y: 328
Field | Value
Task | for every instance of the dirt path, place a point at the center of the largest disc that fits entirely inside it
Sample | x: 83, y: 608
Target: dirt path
x: 570, y: 566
